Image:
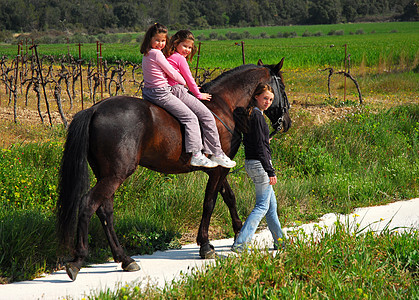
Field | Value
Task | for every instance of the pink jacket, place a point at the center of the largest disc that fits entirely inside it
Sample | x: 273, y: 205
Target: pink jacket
x: 180, y: 64
x: 157, y: 70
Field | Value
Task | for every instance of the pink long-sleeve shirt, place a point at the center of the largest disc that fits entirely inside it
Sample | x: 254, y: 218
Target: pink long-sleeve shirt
x: 180, y: 64
x: 157, y: 70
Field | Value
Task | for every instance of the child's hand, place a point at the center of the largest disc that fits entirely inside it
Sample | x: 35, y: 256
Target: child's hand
x: 205, y: 96
x: 272, y: 180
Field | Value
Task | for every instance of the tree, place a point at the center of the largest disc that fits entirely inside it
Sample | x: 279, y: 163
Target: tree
x: 325, y: 12
x: 126, y: 13
x: 410, y: 12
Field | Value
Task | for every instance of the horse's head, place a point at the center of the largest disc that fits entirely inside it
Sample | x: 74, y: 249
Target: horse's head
x: 278, y: 112
x: 232, y: 92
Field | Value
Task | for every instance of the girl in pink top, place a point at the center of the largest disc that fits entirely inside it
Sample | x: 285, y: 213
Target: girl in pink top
x: 156, y: 71
x: 181, y: 47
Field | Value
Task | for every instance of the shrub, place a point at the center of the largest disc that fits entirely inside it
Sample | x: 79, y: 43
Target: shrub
x: 213, y: 35
x: 233, y: 35
x: 307, y: 33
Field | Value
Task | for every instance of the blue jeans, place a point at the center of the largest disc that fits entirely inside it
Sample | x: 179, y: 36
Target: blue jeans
x: 265, y: 206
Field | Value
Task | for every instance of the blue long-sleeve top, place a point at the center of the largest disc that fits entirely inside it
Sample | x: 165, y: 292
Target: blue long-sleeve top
x: 256, y: 141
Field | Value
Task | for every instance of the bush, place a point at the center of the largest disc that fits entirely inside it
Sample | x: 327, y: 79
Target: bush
x: 125, y: 39
x: 5, y: 36
x: 307, y: 33
x: 233, y: 35
x: 291, y: 34
x: 264, y: 35
x: 202, y: 37
x: 213, y: 35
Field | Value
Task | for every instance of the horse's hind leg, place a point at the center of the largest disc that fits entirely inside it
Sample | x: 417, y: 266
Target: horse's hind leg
x: 100, y: 195
x: 230, y: 199
x: 80, y: 252
x: 105, y: 214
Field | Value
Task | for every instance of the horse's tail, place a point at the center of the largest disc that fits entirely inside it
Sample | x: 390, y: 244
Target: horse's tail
x: 74, y: 176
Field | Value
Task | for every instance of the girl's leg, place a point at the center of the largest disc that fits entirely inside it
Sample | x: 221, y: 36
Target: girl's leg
x: 273, y: 221
x: 263, y: 195
x: 165, y: 99
x: 210, y: 139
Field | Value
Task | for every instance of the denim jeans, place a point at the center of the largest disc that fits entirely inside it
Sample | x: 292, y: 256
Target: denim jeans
x: 265, y: 206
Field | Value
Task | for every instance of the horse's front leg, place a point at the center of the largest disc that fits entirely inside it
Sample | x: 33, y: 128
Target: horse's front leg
x: 216, y: 178
x: 105, y: 214
x: 230, y: 199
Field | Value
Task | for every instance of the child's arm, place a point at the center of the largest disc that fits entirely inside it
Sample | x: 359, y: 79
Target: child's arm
x: 168, y: 69
x: 190, y: 81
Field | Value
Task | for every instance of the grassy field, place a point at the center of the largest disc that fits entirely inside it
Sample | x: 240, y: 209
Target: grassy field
x: 389, y: 45
x: 331, y: 160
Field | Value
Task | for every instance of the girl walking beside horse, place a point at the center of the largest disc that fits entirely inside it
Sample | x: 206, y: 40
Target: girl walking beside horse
x: 259, y: 167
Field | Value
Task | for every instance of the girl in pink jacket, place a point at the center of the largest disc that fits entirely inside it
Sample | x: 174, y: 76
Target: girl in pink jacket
x: 156, y: 72
x: 181, y: 47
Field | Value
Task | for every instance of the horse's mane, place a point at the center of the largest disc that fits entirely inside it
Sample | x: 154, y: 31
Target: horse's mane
x: 227, y: 74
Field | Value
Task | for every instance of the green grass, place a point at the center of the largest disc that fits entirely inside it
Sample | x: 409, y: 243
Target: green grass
x: 347, y: 28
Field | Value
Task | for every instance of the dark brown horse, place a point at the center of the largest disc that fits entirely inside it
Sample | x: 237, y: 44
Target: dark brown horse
x: 119, y: 133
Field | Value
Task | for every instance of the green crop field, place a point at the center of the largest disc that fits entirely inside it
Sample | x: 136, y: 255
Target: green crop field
x: 367, y: 44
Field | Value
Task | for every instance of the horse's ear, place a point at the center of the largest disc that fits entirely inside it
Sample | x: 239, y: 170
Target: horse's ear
x: 260, y: 63
x: 278, y: 67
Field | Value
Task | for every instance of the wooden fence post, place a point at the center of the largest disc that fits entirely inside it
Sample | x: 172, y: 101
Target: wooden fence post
x: 197, y: 60
x: 244, y: 60
x: 81, y: 78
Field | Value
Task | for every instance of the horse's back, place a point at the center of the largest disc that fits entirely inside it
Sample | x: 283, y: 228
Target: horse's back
x: 128, y: 131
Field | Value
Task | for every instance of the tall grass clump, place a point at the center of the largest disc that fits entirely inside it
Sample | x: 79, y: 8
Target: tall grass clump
x: 28, y: 245
x: 365, y: 159
x: 340, y: 264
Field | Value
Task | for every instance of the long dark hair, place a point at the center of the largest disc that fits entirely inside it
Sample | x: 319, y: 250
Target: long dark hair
x: 152, y: 31
x: 176, y: 39
x: 260, y: 89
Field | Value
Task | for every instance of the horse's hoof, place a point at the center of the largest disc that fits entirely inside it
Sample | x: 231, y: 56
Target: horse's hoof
x: 72, y: 271
x: 207, y: 251
x: 131, y: 267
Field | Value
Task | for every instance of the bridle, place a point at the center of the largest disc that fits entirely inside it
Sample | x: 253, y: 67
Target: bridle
x: 280, y: 102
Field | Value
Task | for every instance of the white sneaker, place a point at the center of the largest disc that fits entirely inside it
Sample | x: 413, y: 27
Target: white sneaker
x: 202, y: 161
x: 224, y: 161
